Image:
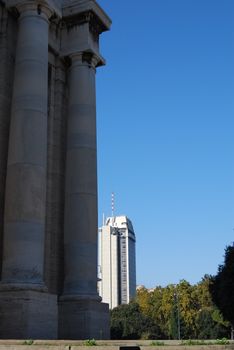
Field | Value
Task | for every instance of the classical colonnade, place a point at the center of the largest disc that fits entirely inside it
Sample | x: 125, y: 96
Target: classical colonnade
x: 26, y: 175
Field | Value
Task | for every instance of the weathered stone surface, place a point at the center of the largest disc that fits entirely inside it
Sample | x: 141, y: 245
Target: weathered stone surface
x: 7, y: 52
x: 28, y: 315
x: 25, y: 192
x: 105, y: 345
x: 55, y: 178
x: 78, y: 319
x: 48, y: 168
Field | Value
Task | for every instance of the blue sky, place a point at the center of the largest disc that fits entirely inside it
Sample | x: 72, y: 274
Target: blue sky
x: 165, y: 112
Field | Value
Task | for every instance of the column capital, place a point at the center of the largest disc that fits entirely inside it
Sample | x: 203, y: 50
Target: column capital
x: 39, y: 7
x: 90, y: 58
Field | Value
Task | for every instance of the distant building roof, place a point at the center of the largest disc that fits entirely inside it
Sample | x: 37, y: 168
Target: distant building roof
x: 120, y: 222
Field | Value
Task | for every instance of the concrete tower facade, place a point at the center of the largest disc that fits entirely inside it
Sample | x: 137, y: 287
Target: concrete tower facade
x: 117, y: 266
x: 49, y: 52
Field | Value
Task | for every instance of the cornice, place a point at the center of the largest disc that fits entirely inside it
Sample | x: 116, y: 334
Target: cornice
x: 84, y: 11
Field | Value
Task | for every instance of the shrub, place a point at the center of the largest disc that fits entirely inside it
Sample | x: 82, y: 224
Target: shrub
x: 90, y: 342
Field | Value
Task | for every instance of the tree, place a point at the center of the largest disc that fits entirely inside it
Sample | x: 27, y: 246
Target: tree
x: 210, y: 324
x: 173, y: 323
x: 127, y: 322
x: 144, y: 299
x: 203, y: 293
x: 150, y: 302
x: 183, y: 310
x: 222, y: 286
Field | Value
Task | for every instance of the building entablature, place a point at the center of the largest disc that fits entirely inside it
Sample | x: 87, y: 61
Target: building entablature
x: 86, y: 9
x: 82, y: 23
x: 75, y: 25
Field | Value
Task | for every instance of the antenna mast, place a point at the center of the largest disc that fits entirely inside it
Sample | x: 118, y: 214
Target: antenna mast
x: 112, y: 204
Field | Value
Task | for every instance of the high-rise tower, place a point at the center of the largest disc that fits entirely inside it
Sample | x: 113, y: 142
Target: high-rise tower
x: 117, y: 267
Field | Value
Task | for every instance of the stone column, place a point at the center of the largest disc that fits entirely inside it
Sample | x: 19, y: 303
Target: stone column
x: 81, y: 313
x: 26, y: 312
x: 24, y: 221
x: 80, y: 229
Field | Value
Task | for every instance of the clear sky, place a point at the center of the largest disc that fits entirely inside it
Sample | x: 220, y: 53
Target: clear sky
x: 165, y: 104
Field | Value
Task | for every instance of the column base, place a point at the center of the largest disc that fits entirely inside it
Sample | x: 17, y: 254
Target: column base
x: 82, y: 318
x: 28, y: 315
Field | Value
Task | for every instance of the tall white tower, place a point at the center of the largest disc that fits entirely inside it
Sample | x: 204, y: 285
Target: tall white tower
x: 117, y: 263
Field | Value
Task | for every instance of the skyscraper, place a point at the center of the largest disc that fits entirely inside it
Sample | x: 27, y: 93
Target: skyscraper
x: 117, y: 266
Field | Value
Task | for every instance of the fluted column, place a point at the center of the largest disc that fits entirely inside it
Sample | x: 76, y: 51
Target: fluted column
x: 80, y: 230
x: 24, y: 221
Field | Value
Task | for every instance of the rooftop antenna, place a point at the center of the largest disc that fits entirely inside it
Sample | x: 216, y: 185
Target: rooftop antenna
x: 112, y: 204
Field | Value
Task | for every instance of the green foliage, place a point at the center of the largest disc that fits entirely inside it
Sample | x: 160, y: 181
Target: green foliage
x: 181, y: 311
x: 218, y: 317
x: 157, y: 343
x: 193, y: 342
x: 173, y: 322
x: 222, y: 286
x: 28, y: 342
x: 185, y: 308
x: 208, y: 325
x: 128, y: 322
x: 188, y: 342
x: 90, y: 342
x: 222, y: 341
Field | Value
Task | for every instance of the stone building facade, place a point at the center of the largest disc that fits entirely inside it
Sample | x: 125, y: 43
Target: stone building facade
x: 49, y: 52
